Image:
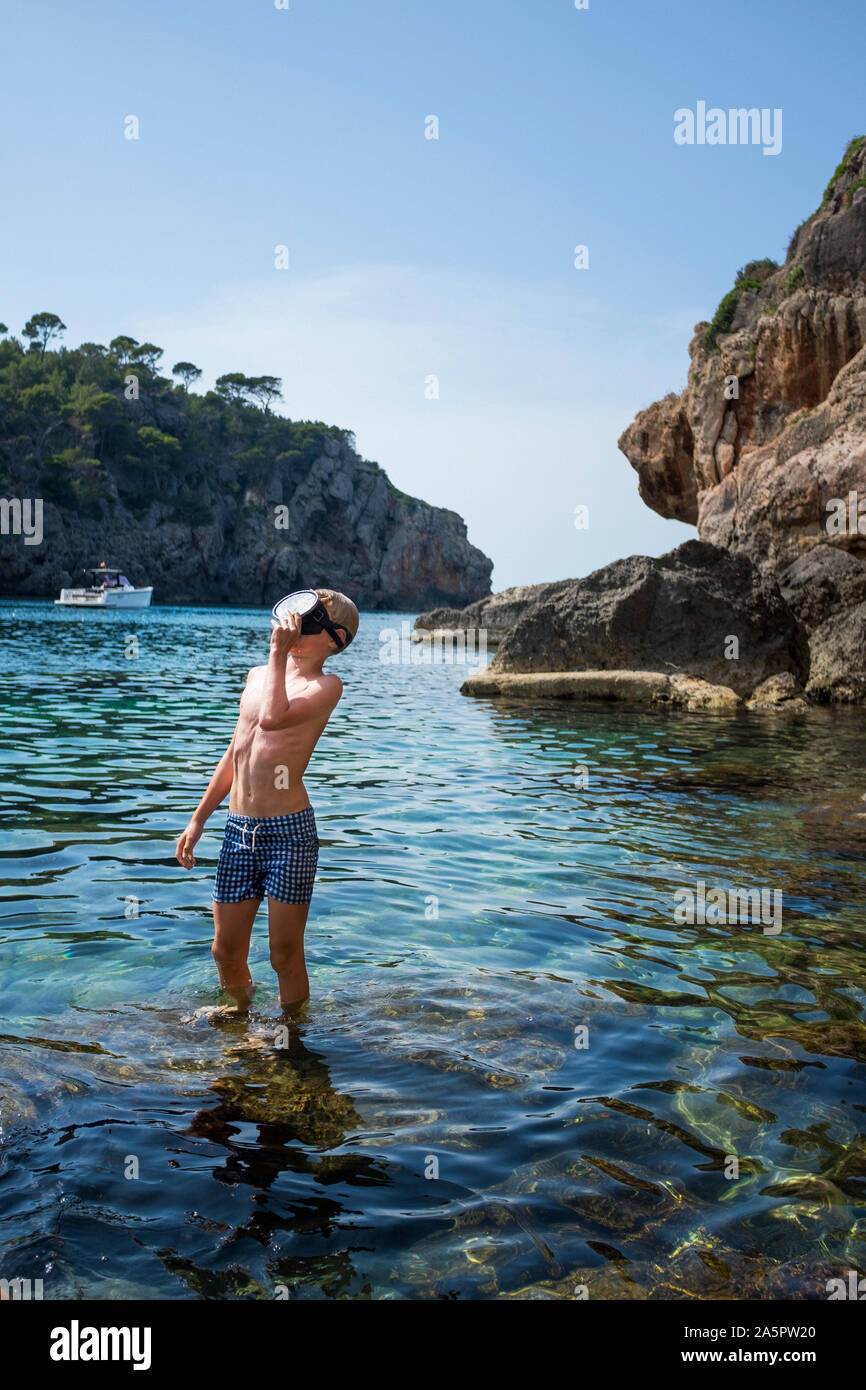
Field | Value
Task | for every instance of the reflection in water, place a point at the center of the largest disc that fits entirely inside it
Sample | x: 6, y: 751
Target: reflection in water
x: 278, y: 1116
x: 518, y: 1073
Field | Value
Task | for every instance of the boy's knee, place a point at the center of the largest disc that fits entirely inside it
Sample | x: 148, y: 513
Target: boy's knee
x: 227, y: 955
x: 284, y: 957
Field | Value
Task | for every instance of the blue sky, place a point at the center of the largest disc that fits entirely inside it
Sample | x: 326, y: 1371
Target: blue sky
x: 412, y: 257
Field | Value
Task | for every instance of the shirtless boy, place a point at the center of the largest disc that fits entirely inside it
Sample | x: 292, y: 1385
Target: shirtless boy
x: 271, y: 846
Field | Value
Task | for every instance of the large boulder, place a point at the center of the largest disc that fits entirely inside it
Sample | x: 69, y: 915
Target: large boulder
x: 821, y: 583
x: 686, y: 612
x: 838, y: 648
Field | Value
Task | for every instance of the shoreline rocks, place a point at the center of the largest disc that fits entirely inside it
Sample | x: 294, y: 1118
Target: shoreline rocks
x: 765, y: 451
x: 497, y: 613
x: 698, y: 612
x: 629, y: 687
x: 783, y: 692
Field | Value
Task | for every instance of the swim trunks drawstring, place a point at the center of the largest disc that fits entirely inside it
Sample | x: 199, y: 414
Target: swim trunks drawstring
x: 283, y: 866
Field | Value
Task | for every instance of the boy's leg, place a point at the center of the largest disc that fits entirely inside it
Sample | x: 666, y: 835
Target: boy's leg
x: 233, y: 925
x: 286, y: 922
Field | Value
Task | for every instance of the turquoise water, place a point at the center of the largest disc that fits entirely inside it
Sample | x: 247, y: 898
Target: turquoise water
x: 431, y: 1130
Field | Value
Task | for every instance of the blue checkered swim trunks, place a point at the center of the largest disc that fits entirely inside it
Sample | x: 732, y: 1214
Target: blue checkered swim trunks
x: 274, y: 855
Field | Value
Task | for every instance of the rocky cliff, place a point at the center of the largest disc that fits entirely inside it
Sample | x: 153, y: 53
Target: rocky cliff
x: 771, y: 426
x: 765, y: 451
x: 209, y: 498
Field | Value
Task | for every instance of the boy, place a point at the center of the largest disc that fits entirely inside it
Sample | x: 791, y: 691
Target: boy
x: 271, y: 846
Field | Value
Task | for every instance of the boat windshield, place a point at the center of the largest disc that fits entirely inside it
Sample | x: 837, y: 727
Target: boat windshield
x: 110, y: 579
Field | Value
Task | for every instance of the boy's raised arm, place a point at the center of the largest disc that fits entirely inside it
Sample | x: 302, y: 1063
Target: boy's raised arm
x: 275, y: 701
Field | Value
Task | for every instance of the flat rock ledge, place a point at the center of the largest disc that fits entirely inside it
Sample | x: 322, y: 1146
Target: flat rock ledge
x: 635, y: 687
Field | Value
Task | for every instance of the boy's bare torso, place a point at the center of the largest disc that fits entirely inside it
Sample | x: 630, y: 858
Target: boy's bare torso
x: 269, y: 764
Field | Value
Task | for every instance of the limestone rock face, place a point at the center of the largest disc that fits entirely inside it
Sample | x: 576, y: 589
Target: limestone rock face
x: 765, y: 450
x: 661, y: 446
x: 685, y: 614
x: 348, y: 529
x: 773, y: 504
x: 755, y: 472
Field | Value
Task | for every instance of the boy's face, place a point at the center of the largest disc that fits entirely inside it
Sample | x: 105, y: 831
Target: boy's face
x: 317, y: 644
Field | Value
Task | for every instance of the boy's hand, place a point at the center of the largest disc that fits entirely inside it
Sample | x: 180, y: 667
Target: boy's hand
x: 186, y: 844
x: 285, y: 634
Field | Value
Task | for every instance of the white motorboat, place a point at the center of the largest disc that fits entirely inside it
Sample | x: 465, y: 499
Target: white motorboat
x: 108, y: 589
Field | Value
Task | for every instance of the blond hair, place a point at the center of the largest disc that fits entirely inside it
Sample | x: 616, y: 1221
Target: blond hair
x: 342, y: 610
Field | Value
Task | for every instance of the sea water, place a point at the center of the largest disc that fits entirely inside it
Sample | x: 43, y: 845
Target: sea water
x: 521, y: 1073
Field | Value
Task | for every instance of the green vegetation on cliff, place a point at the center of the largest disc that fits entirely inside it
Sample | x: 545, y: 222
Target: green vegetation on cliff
x: 754, y: 275
x: 841, y: 169
x: 212, y: 497
x: 749, y: 277
x: 838, y: 175
x: 94, y: 427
